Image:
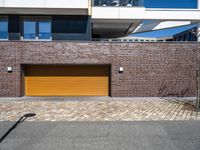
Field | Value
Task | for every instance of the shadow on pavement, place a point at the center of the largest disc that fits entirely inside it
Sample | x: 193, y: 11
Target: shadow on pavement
x: 22, y: 119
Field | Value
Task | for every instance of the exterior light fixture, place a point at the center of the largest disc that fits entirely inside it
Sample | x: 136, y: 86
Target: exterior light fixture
x: 9, y: 69
x: 121, y: 69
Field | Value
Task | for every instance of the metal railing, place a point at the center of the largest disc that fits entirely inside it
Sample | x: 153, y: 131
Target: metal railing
x: 118, y: 3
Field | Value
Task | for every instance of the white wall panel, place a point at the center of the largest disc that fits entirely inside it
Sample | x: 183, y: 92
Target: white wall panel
x: 160, y: 14
x: 145, y: 14
x: 105, y: 13
x: 1, y: 3
x: 24, y: 3
x: 67, y: 3
x: 83, y: 4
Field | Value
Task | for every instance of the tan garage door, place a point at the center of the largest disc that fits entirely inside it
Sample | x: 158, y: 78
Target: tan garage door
x: 67, y: 80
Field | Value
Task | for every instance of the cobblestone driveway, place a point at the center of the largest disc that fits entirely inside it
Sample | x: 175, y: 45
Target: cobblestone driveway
x: 97, y: 109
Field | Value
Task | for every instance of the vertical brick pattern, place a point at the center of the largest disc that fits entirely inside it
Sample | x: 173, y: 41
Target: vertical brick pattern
x: 150, y: 69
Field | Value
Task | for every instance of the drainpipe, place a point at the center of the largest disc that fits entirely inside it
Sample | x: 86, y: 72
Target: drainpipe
x: 198, y: 88
x: 198, y: 67
x: 198, y: 25
x: 198, y: 62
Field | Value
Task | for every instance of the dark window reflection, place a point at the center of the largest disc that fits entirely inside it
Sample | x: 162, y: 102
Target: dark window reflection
x: 70, y: 24
x: 128, y: 3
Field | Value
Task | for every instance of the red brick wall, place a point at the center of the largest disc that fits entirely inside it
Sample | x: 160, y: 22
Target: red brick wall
x: 150, y: 69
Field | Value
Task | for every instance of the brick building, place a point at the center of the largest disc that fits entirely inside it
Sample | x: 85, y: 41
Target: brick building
x: 46, y: 49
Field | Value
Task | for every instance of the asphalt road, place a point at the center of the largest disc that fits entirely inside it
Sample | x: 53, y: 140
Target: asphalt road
x: 163, y: 135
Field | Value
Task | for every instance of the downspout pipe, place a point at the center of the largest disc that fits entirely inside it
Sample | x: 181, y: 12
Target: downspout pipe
x: 198, y: 25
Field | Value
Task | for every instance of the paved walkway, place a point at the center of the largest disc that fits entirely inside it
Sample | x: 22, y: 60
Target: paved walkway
x: 98, y: 109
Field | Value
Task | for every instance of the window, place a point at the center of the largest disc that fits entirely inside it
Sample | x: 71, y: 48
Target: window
x: 29, y: 29
x: 36, y: 28
x: 70, y: 24
x: 44, y: 30
x: 3, y: 28
x: 117, y: 3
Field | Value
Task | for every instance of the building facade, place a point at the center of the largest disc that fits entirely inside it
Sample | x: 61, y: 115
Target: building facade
x: 94, y: 69
x: 46, y: 49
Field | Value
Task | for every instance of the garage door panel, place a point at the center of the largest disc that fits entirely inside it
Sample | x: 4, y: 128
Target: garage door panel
x: 96, y: 84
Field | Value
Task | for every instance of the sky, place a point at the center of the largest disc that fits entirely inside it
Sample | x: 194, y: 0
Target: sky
x: 168, y: 4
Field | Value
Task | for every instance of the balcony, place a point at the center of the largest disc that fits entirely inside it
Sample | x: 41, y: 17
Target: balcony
x: 118, y: 18
x: 118, y: 3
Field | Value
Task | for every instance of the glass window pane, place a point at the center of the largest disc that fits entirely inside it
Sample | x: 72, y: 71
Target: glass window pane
x: 29, y: 29
x: 70, y: 24
x: 3, y: 29
x: 44, y: 30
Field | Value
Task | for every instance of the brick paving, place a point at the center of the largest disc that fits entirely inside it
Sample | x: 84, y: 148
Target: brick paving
x: 98, y: 109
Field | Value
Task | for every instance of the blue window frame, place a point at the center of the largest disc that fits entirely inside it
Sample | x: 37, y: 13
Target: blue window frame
x: 3, y: 28
x: 36, y: 28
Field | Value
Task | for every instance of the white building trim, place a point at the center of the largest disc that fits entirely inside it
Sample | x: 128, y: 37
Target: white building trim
x: 145, y: 14
x: 44, y: 4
